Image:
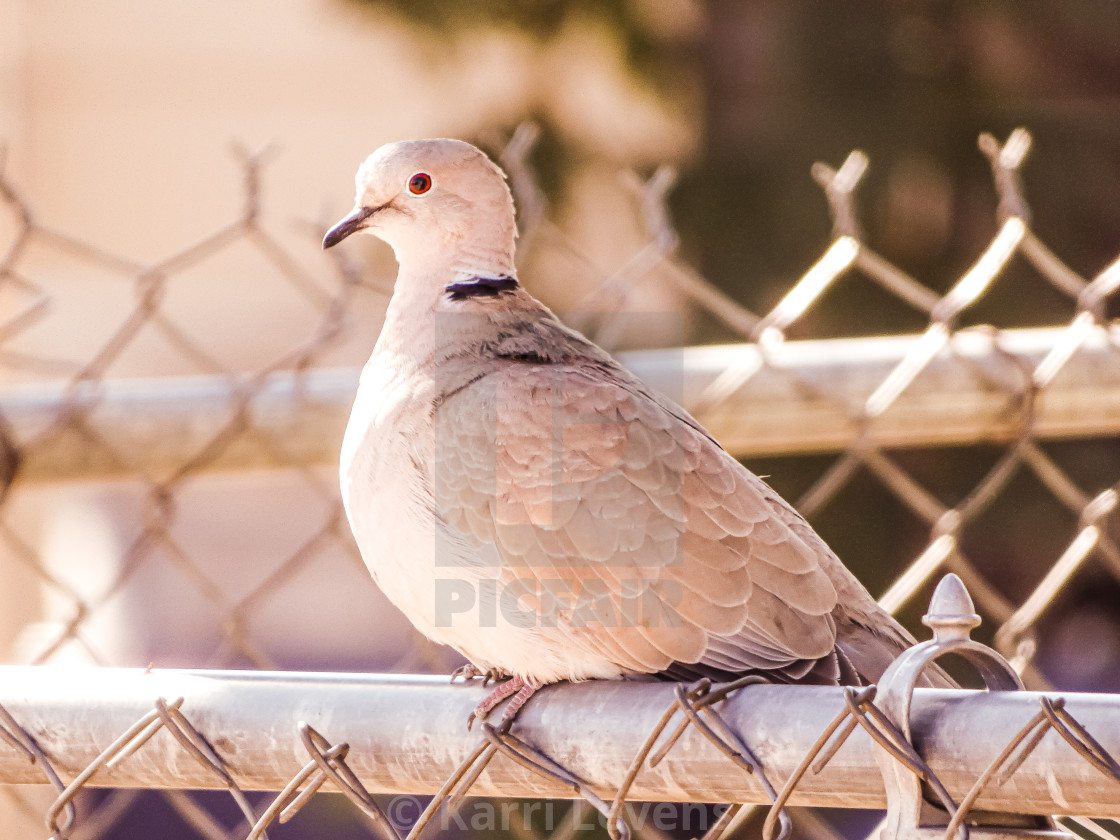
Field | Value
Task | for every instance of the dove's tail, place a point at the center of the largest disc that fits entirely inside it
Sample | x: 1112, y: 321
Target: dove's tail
x: 870, y: 648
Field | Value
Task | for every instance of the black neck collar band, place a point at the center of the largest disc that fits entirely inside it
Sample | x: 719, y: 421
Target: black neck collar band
x: 481, y: 287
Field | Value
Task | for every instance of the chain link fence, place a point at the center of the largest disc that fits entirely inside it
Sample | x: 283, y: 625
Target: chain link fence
x: 170, y: 497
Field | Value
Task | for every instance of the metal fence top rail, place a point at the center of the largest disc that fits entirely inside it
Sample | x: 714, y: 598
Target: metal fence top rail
x: 757, y: 399
x: 407, y: 734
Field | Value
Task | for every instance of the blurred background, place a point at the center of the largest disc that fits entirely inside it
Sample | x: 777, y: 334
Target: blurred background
x: 168, y: 171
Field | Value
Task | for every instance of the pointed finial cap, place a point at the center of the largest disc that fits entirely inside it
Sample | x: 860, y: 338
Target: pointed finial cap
x: 951, y: 613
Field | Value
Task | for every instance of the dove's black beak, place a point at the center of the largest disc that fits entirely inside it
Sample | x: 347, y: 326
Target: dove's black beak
x: 351, y: 224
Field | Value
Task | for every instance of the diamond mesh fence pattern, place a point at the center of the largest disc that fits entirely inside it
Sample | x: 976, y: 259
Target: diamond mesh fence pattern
x: 169, y: 496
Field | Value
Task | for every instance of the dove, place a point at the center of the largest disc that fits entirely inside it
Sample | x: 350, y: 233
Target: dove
x: 523, y: 498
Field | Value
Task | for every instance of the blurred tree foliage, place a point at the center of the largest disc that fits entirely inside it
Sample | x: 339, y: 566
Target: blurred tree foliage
x: 647, y: 49
x: 913, y: 85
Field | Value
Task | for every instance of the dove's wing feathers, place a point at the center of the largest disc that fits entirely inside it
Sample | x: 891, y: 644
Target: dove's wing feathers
x: 666, y: 551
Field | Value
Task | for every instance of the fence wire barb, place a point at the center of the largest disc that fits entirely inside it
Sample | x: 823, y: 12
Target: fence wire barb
x: 18, y: 737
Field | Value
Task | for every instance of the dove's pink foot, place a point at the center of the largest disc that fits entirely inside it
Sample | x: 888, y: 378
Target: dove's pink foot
x: 521, y: 689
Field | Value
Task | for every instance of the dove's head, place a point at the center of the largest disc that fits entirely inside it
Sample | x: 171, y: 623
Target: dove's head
x: 442, y: 205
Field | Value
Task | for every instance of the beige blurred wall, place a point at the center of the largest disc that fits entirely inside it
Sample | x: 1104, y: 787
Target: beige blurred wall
x: 119, y: 115
x: 119, y: 118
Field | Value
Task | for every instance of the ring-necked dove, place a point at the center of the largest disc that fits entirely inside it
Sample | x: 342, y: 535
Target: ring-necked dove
x: 523, y: 498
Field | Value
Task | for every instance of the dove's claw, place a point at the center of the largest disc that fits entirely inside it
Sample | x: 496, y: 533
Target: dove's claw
x: 470, y: 671
x: 466, y: 672
x: 517, y: 687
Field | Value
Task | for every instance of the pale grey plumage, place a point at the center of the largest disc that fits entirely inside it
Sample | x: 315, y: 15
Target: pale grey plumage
x: 492, y: 449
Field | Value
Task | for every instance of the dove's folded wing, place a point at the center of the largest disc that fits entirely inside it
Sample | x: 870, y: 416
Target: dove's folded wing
x: 643, y: 542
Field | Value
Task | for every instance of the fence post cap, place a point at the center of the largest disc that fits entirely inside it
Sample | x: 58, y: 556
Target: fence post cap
x: 951, y: 614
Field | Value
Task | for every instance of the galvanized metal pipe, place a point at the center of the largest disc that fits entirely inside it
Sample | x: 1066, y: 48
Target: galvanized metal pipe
x: 804, y: 396
x: 407, y: 735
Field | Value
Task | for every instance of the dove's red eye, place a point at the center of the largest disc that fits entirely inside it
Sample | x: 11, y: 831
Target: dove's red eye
x: 420, y: 183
